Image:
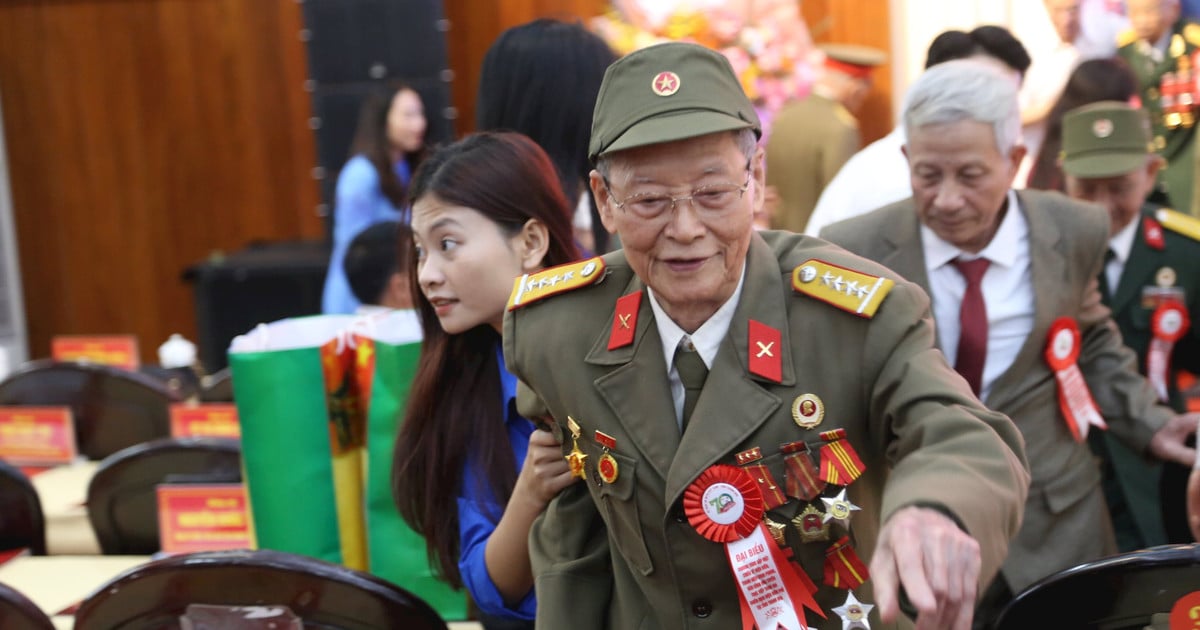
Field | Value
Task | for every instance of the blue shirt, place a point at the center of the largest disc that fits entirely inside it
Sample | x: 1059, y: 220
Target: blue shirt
x: 478, y: 513
x: 359, y: 204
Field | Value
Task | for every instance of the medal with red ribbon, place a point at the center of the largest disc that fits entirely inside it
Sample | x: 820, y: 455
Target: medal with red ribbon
x: 725, y: 505
x: 1062, y: 354
x: 1168, y: 324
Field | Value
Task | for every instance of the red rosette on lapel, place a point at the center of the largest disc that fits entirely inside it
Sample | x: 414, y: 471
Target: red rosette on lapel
x: 723, y: 504
x: 1074, y: 399
x: 1168, y: 325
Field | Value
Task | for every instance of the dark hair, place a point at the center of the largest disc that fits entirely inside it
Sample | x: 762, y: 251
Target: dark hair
x: 1094, y: 80
x: 371, y: 141
x: 454, y: 408
x: 541, y: 79
x: 994, y: 41
x: 373, y: 257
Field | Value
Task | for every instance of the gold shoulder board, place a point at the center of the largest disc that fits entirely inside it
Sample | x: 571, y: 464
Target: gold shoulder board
x: 849, y: 290
x: 1179, y: 222
x: 532, y: 287
x: 1127, y: 37
x: 1191, y: 32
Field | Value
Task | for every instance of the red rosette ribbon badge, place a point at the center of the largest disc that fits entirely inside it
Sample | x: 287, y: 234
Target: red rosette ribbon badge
x: 1074, y: 399
x: 725, y: 505
x: 1168, y: 325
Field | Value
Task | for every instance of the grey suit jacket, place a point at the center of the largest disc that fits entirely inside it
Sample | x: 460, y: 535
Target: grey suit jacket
x: 621, y: 555
x: 1066, y: 521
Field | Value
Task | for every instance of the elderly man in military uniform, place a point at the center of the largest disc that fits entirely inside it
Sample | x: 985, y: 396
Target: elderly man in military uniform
x: 1161, y: 48
x: 1151, y: 281
x: 813, y: 137
x: 767, y: 435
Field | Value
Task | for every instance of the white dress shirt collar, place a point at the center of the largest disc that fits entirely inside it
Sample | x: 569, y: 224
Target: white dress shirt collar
x: 1122, y: 243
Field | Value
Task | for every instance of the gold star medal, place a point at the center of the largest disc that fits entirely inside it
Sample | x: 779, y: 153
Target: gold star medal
x: 576, y: 458
x: 838, y: 509
x: 607, y: 466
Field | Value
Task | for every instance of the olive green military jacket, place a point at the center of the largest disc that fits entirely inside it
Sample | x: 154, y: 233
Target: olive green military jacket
x: 811, y: 139
x: 1175, y: 145
x: 621, y: 555
x: 1066, y: 520
x: 1134, y: 478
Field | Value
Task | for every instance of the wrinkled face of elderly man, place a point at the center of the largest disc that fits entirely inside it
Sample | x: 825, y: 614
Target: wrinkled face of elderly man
x: 959, y: 171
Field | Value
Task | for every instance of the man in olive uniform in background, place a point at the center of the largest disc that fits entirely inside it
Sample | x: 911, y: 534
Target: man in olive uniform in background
x: 734, y: 397
x: 1159, y: 47
x: 813, y: 137
x: 1153, y: 266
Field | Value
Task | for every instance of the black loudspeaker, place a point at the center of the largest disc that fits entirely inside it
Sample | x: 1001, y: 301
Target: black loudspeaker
x: 359, y: 46
x: 260, y: 284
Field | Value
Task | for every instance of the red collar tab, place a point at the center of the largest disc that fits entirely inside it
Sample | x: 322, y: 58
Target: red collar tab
x: 766, y: 353
x: 624, y: 320
x: 1153, y: 233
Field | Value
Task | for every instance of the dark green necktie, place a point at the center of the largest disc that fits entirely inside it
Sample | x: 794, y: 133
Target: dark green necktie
x: 1106, y: 292
x: 692, y: 373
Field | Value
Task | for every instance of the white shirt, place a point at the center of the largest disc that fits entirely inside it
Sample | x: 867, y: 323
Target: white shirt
x: 706, y: 340
x: 1122, y: 245
x: 1007, y: 292
x: 872, y: 178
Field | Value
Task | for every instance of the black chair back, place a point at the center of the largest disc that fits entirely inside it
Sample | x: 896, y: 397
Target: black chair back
x: 324, y: 595
x: 113, y: 408
x: 1114, y: 593
x: 21, y: 521
x: 217, y: 387
x: 122, y: 501
x: 18, y: 613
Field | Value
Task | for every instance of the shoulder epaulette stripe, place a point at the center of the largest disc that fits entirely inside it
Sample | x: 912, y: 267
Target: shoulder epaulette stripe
x: 530, y: 288
x: 1126, y: 37
x: 1179, y: 223
x: 850, y: 290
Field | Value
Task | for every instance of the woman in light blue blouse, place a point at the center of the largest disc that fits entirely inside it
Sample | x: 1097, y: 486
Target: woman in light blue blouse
x: 469, y: 473
x: 373, y: 185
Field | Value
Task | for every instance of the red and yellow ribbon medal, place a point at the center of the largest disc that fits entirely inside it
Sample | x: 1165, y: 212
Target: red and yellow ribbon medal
x: 725, y: 505
x: 1168, y: 325
x: 1062, y: 354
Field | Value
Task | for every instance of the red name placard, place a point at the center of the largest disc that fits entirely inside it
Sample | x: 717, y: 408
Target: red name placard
x: 37, y: 436
x: 203, y: 517
x: 205, y: 420
x: 117, y: 350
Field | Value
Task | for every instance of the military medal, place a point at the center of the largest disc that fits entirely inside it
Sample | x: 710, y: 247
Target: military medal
x: 803, y: 480
x: 1074, y: 399
x: 1165, y: 277
x: 840, y: 463
x: 838, y: 509
x: 854, y: 613
x: 808, y: 411
x: 772, y: 494
x: 1168, y: 325
x: 812, y: 525
x: 607, y: 466
x: 576, y: 458
x: 843, y: 567
x: 778, y: 532
x: 724, y: 505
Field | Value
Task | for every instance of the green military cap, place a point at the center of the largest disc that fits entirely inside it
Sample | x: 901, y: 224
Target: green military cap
x: 668, y: 92
x: 856, y: 61
x: 1105, y: 139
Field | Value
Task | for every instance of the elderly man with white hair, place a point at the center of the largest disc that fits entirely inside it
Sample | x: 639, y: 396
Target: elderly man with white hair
x: 1012, y: 275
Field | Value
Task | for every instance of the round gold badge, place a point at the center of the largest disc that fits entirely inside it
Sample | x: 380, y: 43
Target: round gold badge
x: 808, y: 411
x: 607, y: 467
x: 1165, y: 277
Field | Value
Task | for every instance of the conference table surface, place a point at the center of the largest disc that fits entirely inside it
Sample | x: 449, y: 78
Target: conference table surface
x: 63, y: 493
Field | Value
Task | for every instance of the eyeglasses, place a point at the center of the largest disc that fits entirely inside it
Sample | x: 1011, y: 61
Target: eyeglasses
x: 708, y: 201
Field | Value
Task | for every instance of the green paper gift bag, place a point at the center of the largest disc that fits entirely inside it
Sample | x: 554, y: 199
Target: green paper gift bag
x: 388, y: 347
x: 297, y: 404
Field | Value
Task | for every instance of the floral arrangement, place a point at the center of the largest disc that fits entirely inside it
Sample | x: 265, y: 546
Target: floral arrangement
x: 766, y: 41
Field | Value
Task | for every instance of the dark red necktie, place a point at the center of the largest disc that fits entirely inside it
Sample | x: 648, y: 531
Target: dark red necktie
x: 973, y: 323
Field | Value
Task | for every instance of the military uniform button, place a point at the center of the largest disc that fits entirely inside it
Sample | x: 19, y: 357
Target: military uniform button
x: 701, y: 608
x: 678, y: 516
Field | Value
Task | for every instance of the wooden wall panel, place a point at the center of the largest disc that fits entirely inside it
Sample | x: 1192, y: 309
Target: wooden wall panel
x: 864, y: 22
x: 142, y: 136
x: 473, y: 26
